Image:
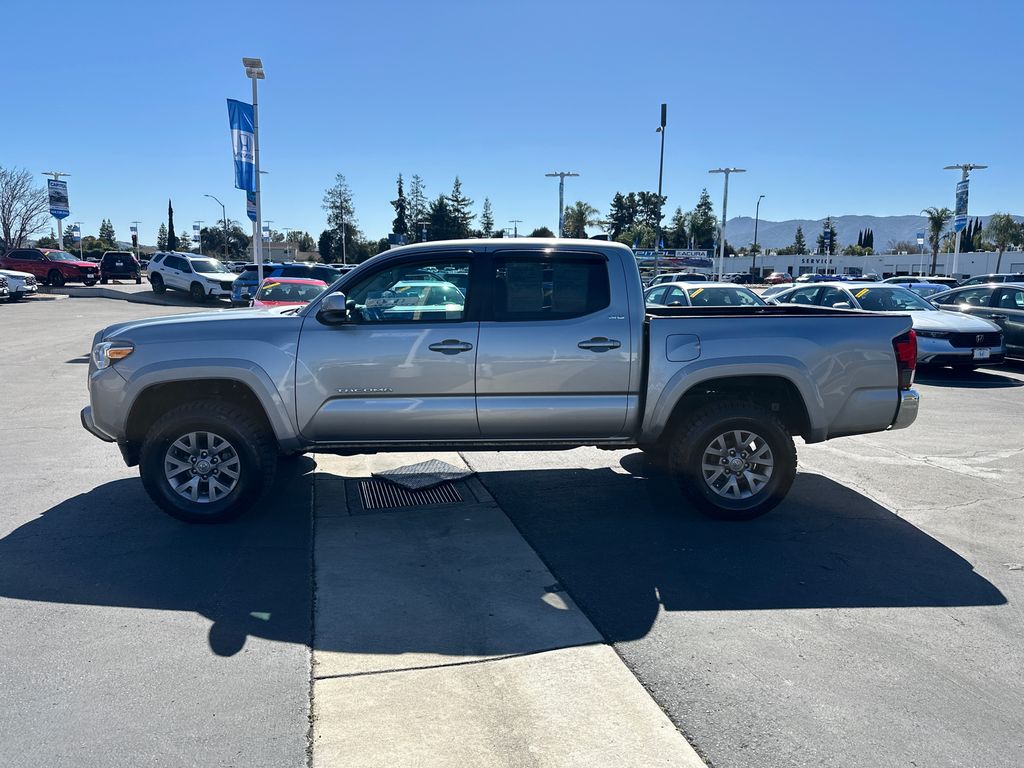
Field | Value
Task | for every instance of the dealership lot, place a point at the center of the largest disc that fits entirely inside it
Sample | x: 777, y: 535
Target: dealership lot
x: 872, y: 619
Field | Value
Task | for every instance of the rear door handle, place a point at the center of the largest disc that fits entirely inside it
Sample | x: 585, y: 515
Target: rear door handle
x: 599, y: 344
x: 450, y: 347
x: 999, y: 317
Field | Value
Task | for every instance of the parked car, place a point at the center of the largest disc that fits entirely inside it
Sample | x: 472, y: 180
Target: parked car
x: 19, y: 284
x: 707, y: 295
x: 199, y: 276
x: 1000, y: 303
x: 119, y: 264
x: 948, y: 282
x: 50, y: 266
x: 5, y: 291
x: 944, y: 338
x: 245, y: 286
x: 778, y: 278
x: 551, y: 347
x: 772, y: 290
x: 741, y: 278
x: 811, y: 277
x: 680, y: 277
x: 287, y: 291
x: 925, y: 290
x: 1001, y: 277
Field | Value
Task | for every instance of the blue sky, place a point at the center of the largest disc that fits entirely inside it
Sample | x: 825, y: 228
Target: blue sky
x: 833, y: 107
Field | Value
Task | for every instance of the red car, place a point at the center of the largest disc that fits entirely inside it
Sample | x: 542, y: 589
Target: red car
x: 50, y: 266
x: 776, y: 278
x: 287, y: 291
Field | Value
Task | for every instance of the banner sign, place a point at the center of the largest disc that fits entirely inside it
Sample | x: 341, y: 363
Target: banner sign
x: 58, y: 191
x: 135, y: 234
x: 243, y: 144
x: 195, y: 233
x: 76, y: 234
x: 250, y: 205
x: 960, y: 221
x: 682, y: 258
x: 920, y: 238
x: 266, y: 233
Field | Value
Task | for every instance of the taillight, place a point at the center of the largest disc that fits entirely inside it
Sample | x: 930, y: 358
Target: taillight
x: 905, y: 347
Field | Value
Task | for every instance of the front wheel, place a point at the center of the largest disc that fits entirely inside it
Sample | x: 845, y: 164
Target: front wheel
x: 735, y: 460
x: 207, y: 461
x: 157, y: 282
x: 197, y: 293
x: 55, y: 278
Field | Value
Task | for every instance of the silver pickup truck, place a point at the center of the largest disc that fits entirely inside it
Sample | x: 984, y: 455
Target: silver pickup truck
x: 513, y: 344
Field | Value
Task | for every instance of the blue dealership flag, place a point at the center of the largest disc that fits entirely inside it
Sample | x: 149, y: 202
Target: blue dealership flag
x: 76, y: 234
x: 636, y: 241
x: 243, y: 144
x: 661, y: 243
x: 250, y: 205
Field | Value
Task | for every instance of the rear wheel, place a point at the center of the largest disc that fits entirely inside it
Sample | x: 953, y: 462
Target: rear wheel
x: 734, y: 459
x: 207, y: 461
x: 197, y: 293
x: 103, y: 281
x: 157, y: 282
x: 55, y: 278
x: 138, y: 279
x: 90, y: 283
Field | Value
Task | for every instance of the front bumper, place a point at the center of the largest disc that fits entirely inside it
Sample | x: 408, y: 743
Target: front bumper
x: 942, y: 352
x: 90, y: 425
x: 907, y: 412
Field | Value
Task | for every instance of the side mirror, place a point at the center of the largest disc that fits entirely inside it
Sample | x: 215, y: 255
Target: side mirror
x: 842, y: 305
x: 333, y: 309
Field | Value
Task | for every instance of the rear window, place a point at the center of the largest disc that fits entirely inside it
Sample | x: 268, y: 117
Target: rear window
x: 327, y: 274
x: 549, y: 288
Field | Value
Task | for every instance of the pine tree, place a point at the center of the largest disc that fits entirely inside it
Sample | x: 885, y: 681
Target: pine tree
x: 400, y: 226
x: 618, y: 217
x: 703, y: 222
x: 460, y: 206
x: 799, y: 243
x: 161, y: 237
x: 107, y: 233
x: 172, y: 239
x: 676, y: 235
x: 442, y: 222
x: 341, y: 217
x: 417, y: 205
x: 860, y: 238
x: 487, y: 219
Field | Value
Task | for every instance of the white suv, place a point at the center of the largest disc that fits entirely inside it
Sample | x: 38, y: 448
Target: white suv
x: 200, y: 276
x: 21, y: 284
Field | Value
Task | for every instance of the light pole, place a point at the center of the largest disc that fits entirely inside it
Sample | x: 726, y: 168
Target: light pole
x: 200, y: 231
x: 135, y: 228
x: 266, y: 233
x: 515, y: 226
x: 81, y: 256
x: 422, y: 225
x: 286, y: 231
x: 661, y: 168
x: 224, y: 221
x: 254, y: 71
x: 56, y: 177
x: 725, y: 205
x: 561, y: 197
x: 753, y: 250
x: 960, y: 220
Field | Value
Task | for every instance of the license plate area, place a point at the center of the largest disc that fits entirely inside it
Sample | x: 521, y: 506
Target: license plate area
x: 982, y: 353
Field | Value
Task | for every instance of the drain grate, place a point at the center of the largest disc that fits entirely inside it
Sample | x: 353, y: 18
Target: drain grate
x: 378, y: 494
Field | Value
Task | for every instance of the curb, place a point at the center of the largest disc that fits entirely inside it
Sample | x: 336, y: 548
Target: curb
x: 97, y: 292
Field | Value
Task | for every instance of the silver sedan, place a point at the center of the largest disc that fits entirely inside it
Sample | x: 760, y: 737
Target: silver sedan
x: 701, y: 295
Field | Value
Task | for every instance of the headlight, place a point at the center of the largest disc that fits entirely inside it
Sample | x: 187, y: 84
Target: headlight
x: 933, y: 334
x: 107, y: 352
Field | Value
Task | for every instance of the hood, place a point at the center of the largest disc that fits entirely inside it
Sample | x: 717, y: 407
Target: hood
x: 80, y: 264
x: 951, y: 321
x: 218, y: 277
x: 15, y: 273
x: 197, y: 324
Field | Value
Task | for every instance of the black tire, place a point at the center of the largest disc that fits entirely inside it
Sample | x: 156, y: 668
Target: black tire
x: 90, y: 283
x: 255, y: 447
x: 13, y: 297
x: 138, y: 279
x: 103, y: 281
x: 197, y: 293
x: 698, y: 432
x: 157, y: 282
x: 55, y: 278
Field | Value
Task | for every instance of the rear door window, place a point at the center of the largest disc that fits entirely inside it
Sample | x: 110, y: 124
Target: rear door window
x: 975, y: 297
x: 808, y: 295
x: 549, y: 287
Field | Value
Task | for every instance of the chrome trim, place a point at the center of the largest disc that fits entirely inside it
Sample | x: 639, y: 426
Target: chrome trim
x: 907, y: 413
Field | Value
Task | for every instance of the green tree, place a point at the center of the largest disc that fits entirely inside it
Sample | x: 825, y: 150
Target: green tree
x: 799, y: 243
x: 938, y: 218
x: 48, y: 241
x: 541, y: 232
x: 172, y: 239
x: 619, y: 217
x: 232, y: 244
x: 487, y: 219
x: 107, y: 233
x: 833, y: 246
x: 400, y: 225
x: 1003, y: 232
x: 675, y: 235
x: 577, y: 218
x: 325, y: 245
x: 442, y: 223
x: 703, y: 222
x: 341, y: 217
x: 648, y: 208
x: 418, y: 206
x: 641, y: 233
x: 303, y: 240
x: 460, y: 206
x: 161, y: 237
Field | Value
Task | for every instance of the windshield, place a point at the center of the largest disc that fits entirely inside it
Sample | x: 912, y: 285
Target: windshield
x: 890, y: 299
x: 273, y: 290
x: 61, y: 256
x: 724, y: 297
x: 208, y: 265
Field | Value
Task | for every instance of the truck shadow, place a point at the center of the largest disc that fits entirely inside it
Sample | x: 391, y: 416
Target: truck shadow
x: 624, y: 545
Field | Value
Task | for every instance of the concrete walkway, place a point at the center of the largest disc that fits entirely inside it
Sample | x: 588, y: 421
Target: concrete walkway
x: 441, y: 639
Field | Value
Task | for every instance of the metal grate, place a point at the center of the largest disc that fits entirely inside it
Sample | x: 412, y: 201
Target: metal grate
x: 377, y: 494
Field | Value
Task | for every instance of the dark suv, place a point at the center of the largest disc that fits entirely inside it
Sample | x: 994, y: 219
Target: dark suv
x: 245, y: 286
x: 119, y: 264
x: 50, y: 266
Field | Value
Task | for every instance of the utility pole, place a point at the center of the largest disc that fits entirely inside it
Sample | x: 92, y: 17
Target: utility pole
x: 725, y: 205
x: 81, y: 256
x: 561, y: 198
x: 661, y: 167
x: 135, y: 228
x: 254, y: 71
x: 960, y: 219
x: 224, y: 221
x: 60, y: 234
x: 753, y: 250
x: 515, y: 226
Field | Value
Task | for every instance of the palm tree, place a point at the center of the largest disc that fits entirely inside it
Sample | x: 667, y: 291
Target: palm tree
x: 938, y: 218
x: 1003, y: 231
x: 578, y: 217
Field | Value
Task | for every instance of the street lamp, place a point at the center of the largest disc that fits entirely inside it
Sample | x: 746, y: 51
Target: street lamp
x: 561, y: 198
x: 224, y: 221
x: 254, y: 71
x: 725, y: 204
x: 661, y: 168
x: 515, y: 226
x: 56, y: 177
x: 753, y: 250
x: 960, y: 220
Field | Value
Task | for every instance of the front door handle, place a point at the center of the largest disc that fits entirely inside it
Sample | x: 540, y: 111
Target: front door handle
x: 999, y: 317
x: 599, y: 344
x: 450, y: 347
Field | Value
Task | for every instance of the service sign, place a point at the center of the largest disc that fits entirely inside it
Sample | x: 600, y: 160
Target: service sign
x: 58, y: 191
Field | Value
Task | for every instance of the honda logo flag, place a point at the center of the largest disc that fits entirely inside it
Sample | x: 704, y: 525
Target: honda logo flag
x: 243, y: 145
